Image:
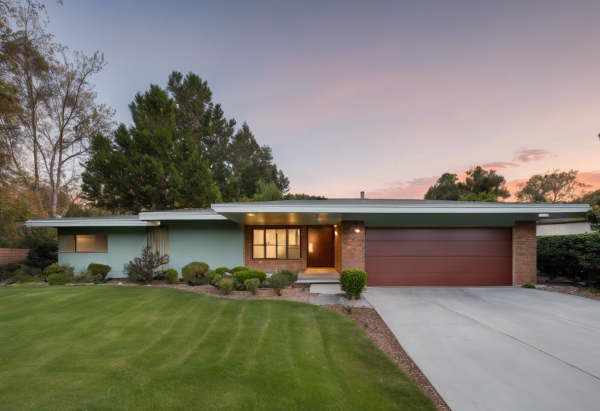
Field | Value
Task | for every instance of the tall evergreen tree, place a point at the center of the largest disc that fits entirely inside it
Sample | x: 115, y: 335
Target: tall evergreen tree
x: 152, y: 165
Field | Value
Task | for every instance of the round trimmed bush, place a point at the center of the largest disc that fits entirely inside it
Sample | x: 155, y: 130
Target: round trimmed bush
x: 238, y: 269
x: 242, y: 276
x: 171, y: 275
x: 194, y: 269
x: 53, y: 269
x: 278, y: 281
x: 99, y: 269
x: 353, y: 283
x: 222, y: 270
x: 57, y: 279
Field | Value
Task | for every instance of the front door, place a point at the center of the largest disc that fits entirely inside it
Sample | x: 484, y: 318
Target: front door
x: 320, y: 246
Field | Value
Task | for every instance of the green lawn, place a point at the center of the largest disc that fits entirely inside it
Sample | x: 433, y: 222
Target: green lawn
x: 143, y: 348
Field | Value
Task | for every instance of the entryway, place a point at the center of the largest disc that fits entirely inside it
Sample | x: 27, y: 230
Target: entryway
x: 321, y: 250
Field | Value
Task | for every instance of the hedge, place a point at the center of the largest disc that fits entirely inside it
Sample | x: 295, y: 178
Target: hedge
x: 242, y: 276
x: 575, y: 257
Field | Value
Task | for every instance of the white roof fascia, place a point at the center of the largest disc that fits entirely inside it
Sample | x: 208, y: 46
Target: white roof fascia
x: 90, y: 223
x: 179, y: 215
x: 402, y: 209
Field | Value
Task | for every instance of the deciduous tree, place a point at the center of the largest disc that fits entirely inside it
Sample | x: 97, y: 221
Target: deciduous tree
x: 553, y: 187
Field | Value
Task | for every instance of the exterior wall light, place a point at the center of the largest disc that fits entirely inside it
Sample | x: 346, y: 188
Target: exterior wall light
x: 335, y: 233
x: 310, y: 247
x: 250, y: 215
x: 357, y: 230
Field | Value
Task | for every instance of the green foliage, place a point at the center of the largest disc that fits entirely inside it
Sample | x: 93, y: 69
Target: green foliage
x: 593, y: 216
x: 552, y: 187
x: 84, y: 276
x: 221, y: 270
x: 483, y: 197
x: 279, y: 281
x: 42, y: 255
x: 291, y: 274
x: 592, y: 198
x: 353, y: 283
x: 143, y: 268
x: 65, y: 269
x: 242, y: 276
x: 194, y: 270
x: 445, y: 188
x: 151, y: 165
x: 210, y: 275
x: 593, y: 290
x: 198, y: 281
x: 238, y: 269
x: 226, y: 285
x: 57, y: 279
x: 252, y: 285
x: 216, y: 279
x: 575, y: 257
x: 21, y: 276
x: 171, y: 275
x: 528, y: 286
x: 267, y: 192
x: 99, y: 269
x: 303, y: 197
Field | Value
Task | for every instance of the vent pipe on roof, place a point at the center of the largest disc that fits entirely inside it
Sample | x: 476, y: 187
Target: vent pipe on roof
x: 362, y: 195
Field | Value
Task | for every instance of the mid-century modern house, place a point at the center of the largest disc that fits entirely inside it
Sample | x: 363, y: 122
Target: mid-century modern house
x: 397, y: 242
x: 563, y: 226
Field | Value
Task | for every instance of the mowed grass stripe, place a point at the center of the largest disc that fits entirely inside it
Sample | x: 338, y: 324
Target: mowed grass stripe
x: 143, y: 348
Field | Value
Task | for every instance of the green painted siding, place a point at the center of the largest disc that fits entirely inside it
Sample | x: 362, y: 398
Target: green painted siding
x: 217, y: 243
x: 124, y: 243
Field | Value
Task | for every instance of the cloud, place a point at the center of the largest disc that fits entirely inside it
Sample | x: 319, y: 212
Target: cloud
x: 591, y: 178
x: 526, y: 155
x: 500, y: 165
x: 414, y: 188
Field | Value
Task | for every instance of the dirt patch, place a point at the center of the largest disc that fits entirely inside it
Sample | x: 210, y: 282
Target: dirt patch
x: 378, y: 332
x: 571, y: 290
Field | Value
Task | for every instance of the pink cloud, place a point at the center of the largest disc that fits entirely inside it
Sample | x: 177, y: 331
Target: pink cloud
x: 414, y: 188
x: 526, y: 155
x: 500, y: 165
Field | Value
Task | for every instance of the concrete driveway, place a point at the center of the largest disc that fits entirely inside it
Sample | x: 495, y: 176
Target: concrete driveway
x: 499, y: 348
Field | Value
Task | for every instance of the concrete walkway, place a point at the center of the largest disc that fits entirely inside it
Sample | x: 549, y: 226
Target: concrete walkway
x: 499, y: 348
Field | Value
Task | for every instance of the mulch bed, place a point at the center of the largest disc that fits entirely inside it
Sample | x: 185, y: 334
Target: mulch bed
x: 571, y: 290
x: 378, y: 332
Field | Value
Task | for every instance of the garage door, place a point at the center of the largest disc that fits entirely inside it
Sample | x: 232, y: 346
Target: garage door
x: 439, y: 256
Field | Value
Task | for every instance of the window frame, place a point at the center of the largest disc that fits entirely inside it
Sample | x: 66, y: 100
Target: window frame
x: 84, y: 252
x: 287, y: 242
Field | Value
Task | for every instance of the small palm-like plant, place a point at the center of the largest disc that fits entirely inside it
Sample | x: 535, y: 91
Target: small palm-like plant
x: 143, y: 268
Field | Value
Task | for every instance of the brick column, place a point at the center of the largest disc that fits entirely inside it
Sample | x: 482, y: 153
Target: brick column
x: 525, y: 253
x: 353, y: 245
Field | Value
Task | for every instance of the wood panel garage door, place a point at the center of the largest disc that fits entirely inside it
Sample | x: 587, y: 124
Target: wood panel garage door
x: 439, y: 256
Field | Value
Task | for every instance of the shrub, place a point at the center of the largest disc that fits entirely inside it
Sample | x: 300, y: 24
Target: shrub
x: 171, y: 275
x: 53, y: 269
x: 210, y: 275
x: 84, y: 276
x: 12, y: 267
x: 292, y: 275
x: 22, y: 276
x: 99, y: 269
x: 57, y: 279
x: 42, y: 254
x: 252, y: 285
x: 65, y: 269
x: 194, y: 269
x: 143, y: 268
x: 216, y: 279
x: 575, y: 257
x: 593, y: 290
x: 226, y: 285
x: 238, y: 269
x: 278, y: 281
x: 353, y: 283
x: 198, y: 281
x: 528, y: 286
x: 8, y: 271
x: 222, y: 270
x: 242, y: 276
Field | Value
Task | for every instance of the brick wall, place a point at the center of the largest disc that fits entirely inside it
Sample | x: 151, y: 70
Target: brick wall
x: 353, y: 245
x: 272, y: 266
x: 338, y: 247
x: 525, y: 253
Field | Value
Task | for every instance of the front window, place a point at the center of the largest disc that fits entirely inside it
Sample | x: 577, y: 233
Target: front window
x: 82, y: 243
x: 276, y: 243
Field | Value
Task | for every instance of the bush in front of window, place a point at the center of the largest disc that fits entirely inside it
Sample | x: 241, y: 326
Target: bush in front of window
x: 57, y: 279
x: 194, y: 270
x: 279, y: 281
x: 291, y: 274
x: 353, y: 283
x: 99, y: 269
x: 171, y: 275
x: 238, y: 269
x: 252, y: 285
x: 143, y: 268
x: 222, y: 270
x: 65, y: 269
x: 242, y: 276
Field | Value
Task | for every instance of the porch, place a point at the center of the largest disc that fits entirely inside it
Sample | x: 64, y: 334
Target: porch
x: 324, y: 275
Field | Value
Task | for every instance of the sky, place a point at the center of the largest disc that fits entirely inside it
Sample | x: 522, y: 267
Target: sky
x: 381, y: 97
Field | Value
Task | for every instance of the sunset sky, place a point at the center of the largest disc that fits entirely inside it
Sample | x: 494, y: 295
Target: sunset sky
x: 380, y: 96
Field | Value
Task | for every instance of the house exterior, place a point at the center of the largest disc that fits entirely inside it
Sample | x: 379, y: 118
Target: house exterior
x: 397, y: 242
x: 563, y: 226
